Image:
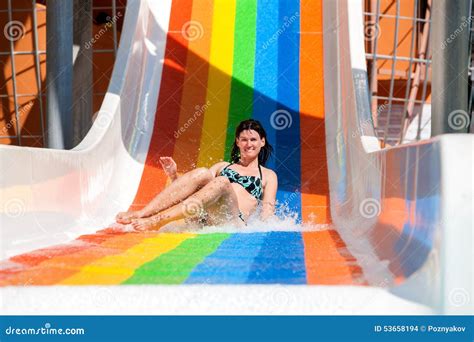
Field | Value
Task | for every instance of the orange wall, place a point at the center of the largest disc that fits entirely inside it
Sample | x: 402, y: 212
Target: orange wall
x: 385, y: 46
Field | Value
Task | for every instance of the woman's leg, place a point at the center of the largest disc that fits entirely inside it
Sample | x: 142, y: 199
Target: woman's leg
x: 217, y: 192
x: 177, y: 191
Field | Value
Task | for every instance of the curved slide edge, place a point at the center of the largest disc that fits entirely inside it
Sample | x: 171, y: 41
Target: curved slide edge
x: 404, y: 212
x: 52, y: 196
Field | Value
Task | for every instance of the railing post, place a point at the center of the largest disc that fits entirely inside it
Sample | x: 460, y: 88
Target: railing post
x: 82, y: 87
x: 451, y: 52
x: 59, y: 32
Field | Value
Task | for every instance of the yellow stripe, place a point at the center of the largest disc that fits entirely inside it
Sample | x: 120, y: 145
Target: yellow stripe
x: 218, y: 88
x: 115, y: 269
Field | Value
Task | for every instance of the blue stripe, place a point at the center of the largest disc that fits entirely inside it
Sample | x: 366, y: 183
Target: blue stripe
x: 231, y: 262
x: 288, y: 151
x: 266, y: 68
x: 280, y: 260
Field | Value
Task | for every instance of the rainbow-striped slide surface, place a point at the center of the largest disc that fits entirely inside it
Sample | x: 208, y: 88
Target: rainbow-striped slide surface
x: 228, y: 60
x: 224, y: 61
x: 111, y: 258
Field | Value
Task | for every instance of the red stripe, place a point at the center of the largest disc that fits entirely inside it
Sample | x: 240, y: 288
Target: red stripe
x: 193, y: 103
x: 38, y: 256
x: 168, y: 108
x: 50, y: 266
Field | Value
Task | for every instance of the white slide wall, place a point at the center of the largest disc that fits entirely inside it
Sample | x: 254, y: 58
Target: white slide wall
x: 405, y: 212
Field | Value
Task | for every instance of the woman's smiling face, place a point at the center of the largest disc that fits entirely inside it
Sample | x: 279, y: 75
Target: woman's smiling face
x: 249, y: 143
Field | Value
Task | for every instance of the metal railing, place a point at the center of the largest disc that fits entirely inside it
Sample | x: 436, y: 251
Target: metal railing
x: 21, y: 132
x: 397, y: 109
x: 12, y: 53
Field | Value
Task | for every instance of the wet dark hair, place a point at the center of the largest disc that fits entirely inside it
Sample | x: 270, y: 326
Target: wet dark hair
x: 251, y: 124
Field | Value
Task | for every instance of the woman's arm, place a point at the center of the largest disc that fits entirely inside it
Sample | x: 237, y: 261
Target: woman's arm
x: 269, y: 196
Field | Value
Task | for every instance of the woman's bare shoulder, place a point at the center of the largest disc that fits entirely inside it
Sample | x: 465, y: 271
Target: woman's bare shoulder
x: 269, y: 172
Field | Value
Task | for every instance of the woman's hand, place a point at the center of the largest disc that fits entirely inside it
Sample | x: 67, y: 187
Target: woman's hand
x: 268, y: 210
x: 169, y: 166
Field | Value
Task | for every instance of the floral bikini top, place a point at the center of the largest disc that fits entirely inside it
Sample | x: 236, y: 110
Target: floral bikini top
x: 252, y: 184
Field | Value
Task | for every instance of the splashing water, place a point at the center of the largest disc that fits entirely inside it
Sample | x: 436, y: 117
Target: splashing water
x: 284, y: 220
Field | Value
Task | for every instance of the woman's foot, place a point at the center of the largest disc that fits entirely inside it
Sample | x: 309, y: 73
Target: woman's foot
x: 127, y: 217
x: 149, y: 223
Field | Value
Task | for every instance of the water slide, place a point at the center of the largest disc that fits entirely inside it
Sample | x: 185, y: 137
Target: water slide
x: 364, y: 230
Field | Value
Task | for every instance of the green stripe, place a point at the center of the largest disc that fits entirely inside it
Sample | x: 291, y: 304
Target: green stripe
x: 176, y: 265
x: 241, y: 98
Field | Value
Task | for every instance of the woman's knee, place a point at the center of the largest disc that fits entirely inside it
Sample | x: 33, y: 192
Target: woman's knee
x: 203, y: 175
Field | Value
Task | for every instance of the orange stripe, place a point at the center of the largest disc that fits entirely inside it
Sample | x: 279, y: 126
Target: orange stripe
x: 314, y: 178
x: 328, y: 261
x: 37, y: 276
x: 193, y: 102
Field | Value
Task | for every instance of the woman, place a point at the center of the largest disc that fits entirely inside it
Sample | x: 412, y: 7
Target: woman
x: 224, y: 193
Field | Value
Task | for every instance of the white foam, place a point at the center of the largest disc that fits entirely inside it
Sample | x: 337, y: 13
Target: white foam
x: 285, y: 220
x: 286, y: 223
